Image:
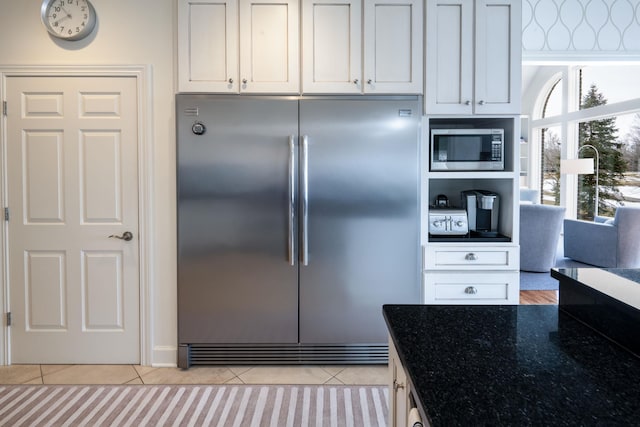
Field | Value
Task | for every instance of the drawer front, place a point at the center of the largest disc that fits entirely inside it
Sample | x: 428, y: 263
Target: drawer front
x: 471, y: 288
x: 472, y: 291
x: 472, y: 258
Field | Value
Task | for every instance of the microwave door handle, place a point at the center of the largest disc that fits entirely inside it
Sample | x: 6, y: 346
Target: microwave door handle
x: 292, y: 200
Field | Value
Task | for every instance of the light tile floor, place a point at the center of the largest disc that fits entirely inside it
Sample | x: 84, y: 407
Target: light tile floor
x: 134, y: 374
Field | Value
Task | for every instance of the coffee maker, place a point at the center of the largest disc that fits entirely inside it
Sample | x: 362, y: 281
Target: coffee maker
x: 482, y: 212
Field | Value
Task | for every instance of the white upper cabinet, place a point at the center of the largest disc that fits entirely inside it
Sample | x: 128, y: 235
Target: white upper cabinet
x: 208, y: 46
x: 351, y: 49
x: 498, y: 70
x: 393, y: 46
x: 269, y: 46
x: 236, y: 46
x: 331, y: 46
x: 473, y: 72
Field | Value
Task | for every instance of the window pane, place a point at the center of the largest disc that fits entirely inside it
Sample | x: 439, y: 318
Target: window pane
x: 553, y: 106
x: 615, y: 82
x: 629, y: 131
x: 550, y: 138
x: 617, y: 140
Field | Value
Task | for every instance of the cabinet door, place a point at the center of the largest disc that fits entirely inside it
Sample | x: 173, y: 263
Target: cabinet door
x: 207, y: 46
x: 331, y: 40
x: 393, y: 46
x: 498, y: 56
x: 269, y: 46
x: 449, y: 57
x: 398, y: 393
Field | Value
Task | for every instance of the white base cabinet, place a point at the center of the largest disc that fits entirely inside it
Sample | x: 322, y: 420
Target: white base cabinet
x: 473, y: 269
x: 463, y: 274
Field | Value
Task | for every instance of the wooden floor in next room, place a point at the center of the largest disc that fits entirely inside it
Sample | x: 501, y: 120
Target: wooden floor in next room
x: 538, y: 297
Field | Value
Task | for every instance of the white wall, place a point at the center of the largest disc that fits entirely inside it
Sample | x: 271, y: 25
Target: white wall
x: 128, y: 32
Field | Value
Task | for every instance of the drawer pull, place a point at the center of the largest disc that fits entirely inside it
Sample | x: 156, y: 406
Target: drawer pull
x: 471, y: 257
x: 470, y: 290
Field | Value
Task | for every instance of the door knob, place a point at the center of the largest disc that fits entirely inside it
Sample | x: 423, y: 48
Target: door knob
x: 126, y: 236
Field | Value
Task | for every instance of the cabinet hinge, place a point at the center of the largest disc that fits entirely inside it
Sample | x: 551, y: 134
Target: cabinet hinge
x: 4, y: 108
x: 6, y: 214
x: 9, y: 319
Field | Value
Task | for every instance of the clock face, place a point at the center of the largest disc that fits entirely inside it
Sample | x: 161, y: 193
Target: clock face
x: 68, y: 19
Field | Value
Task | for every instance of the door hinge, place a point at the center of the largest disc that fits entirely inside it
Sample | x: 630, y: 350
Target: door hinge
x: 6, y: 214
x: 9, y: 319
x: 4, y: 108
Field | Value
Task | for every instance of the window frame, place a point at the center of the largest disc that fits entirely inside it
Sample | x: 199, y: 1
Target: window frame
x: 568, y: 121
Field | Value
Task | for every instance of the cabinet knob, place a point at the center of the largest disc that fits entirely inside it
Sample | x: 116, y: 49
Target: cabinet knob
x: 470, y: 290
x: 467, y: 102
x: 481, y: 102
x: 471, y: 257
x: 355, y: 81
x: 244, y: 81
x: 230, y: 81
x: 397, y: 385
x: 369, y: 81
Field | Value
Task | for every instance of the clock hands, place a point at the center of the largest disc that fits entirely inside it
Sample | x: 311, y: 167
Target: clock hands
x: 65, y: 11
x: 67, y: 15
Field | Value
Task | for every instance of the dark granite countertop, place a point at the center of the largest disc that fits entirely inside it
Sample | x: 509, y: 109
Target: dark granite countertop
x: 513, y: 366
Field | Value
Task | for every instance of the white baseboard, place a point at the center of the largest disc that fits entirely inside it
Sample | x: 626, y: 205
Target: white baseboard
x: 165, y: 356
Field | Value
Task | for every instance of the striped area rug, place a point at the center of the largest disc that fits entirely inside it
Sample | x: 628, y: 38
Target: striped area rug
x: 194, y: 405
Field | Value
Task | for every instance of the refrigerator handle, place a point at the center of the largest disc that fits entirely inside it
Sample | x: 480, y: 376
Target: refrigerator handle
x: 304, y: 169
x: 292, y: 199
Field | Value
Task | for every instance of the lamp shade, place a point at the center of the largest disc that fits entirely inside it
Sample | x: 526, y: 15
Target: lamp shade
x: 577, y: 166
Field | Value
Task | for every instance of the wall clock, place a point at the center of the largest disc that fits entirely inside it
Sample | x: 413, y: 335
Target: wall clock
x: 68, y: 19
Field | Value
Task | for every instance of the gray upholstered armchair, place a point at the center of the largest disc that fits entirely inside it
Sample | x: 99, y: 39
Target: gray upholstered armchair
x: 605, y: 242
x: 540, y: 227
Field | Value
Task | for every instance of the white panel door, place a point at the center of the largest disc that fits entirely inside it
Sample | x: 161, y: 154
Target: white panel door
x: 393, y: 46
x: 449, y: 57
x: 332, y: 46
x: 269, y: 46
x: 72, y: 180
x: 498, y: 56
x: 208, y: 46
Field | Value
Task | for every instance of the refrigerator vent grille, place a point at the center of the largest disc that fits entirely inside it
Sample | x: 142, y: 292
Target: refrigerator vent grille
x: 205, y: 354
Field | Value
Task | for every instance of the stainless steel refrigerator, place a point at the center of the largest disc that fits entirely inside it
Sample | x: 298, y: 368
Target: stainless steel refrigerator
x: 297, y: 220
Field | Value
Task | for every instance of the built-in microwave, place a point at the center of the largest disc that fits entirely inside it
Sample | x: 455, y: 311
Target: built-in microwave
x: 467, y: 149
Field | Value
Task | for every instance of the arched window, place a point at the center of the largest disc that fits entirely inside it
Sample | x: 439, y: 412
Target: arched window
x: 597, y: 106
